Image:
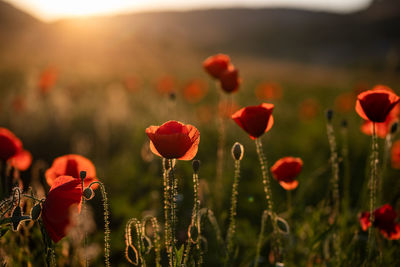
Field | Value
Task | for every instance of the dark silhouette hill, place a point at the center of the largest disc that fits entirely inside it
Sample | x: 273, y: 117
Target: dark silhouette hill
x: 367, y: 38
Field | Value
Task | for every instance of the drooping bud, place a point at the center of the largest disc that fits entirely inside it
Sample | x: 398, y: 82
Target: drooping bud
x: 88, y: 193
x: 196, y: 166
x: 329, y: 114
x: 82, y: 174
x: 131, y: 255
x: 393, y: 128
x: 17, y: 218
x: 36, y: 211
x: 237, y: 151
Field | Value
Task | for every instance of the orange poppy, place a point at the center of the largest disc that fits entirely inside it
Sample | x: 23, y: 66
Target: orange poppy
x: 12, y: 151
x: 71, y: 165
x: 174, y: 140
x: 47, y: 80
x: 165, y: 85
x: 309, y: 109
x: 255, y: 120
x: 216, y: 65
x: 286, y: 170
x: 268, y: 91
x: 384, y: 219
x: 63, y: 199
x: 229, y: 80
x: 195, y: 90
x: 132, y: 83
x: 345, y: 102
x: 375, y: 104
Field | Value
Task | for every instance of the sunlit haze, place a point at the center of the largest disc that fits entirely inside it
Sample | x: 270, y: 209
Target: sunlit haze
x: 56, y: 9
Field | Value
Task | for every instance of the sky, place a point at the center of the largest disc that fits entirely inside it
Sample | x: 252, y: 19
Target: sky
x: 50, y: 10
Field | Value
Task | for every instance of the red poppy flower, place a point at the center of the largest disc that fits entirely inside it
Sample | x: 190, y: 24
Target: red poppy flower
x: 309, y: 109
x: 381, y: 128
x: 255, y: 120
x: 230, y: 80
x: 395, y: 155
x: 375, y: 104
x: 165, y: 85
x: 385, y: 221
x: 63, y: 200
x: 268, y: 91
x: 174, y: 140
x: 47, y: 80
x: 216, y: 65
x: 71, y: 165
x: 285, y: 170
x: 11, y: 150
x: 194, y: 91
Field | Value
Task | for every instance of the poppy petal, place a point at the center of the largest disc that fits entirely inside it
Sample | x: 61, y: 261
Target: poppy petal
x: 22, y: 160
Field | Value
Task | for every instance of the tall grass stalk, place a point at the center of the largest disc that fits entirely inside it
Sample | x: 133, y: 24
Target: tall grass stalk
x: 174, y: 194
x: 346, y: 168
x: 276, y: 242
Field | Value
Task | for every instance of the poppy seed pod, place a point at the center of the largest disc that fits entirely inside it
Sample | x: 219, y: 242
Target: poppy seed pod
x: 329, y: 114
x: 82, y: 174
x: 196, y: 166
x: 36, y: 211
x: 88, y: 193
x: 15, y: 217
x: 237, y: 151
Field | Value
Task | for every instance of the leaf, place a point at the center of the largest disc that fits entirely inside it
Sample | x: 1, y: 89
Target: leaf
x: 179, y: 256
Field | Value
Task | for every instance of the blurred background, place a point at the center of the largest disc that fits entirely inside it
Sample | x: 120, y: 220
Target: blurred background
x: 88, y: 77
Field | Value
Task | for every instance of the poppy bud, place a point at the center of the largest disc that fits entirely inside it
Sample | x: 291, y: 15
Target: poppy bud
x: 344, y: 123
x: 196, y: 166
x: 393, y: 128
x: 172, y: 96
x: 329, y: 114
x: 82, y: 174
x: 237, y: 151
x: 36, y: 211
x: 131, y: 255
x: 88, y: 193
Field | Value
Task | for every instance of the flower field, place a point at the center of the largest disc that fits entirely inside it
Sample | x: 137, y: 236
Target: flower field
x: 210, y: 160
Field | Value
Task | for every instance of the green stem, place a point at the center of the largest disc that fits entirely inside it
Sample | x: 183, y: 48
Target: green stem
x: 289, y: 202
x: 106, y: 223
x: 173, y: 196
x: 220, y: 152
x: 346, y: 167
x: 276, y: 242
x: 335, y: 185
x: 264, y: 218
x: 372, y: 186
x: 233, y: 211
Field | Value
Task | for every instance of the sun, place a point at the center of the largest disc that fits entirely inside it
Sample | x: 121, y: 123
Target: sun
x: 53, y: 9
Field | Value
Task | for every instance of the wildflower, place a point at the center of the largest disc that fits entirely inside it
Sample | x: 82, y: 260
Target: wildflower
x: 63, y: 199
x: 47, y: 80
x: 71, y: 165
x: 216, y: 65
x: 381, y: 128
x: 11, y: 150
x: 268, y: 91
x: 375, y: 104
x: 285, y: 170
x: 194, y: 91
x: 384, y: 220
x: 174, y: 139
x: 230, y: 80
x: 255, y: 120
x: 165, y: 85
